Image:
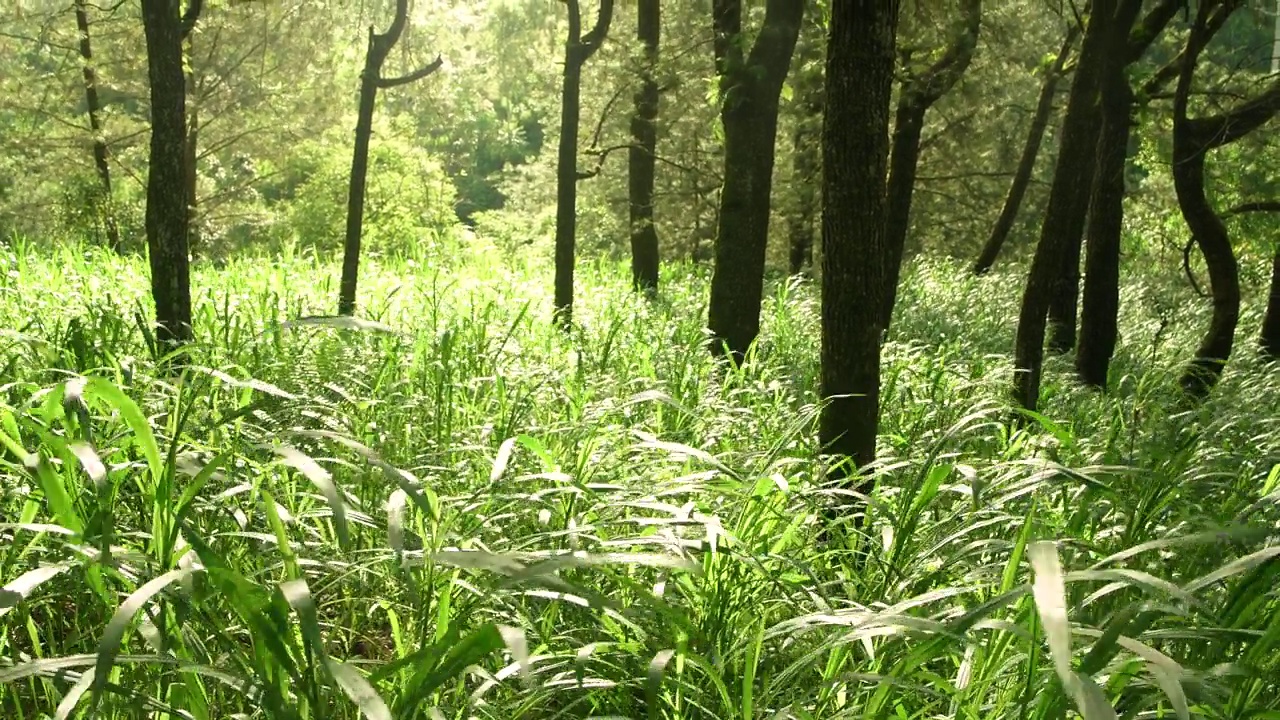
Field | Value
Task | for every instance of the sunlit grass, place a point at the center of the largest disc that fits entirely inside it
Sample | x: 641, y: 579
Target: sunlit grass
x: 462, y: 513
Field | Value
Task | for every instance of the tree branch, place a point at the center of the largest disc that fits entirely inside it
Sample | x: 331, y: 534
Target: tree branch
x: 595, y: 38
x: 1254, y: 207
x: 190, y: 17
x: 418, y: 74
x: 1150, y: 27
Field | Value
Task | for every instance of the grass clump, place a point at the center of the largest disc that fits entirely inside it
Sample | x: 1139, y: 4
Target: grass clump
x: 455, y: 511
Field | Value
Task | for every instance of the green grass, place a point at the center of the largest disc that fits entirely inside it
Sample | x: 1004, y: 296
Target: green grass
x: 461, y: 513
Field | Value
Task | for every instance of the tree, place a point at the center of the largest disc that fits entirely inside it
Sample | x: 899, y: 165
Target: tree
x: 166, y: 216
x: 577, y: 50
x: 855, y: 250
x: 100, y: 152
x: 371, y: 81
x: 1110, y: 68
x: 750, y: 85
x: 1027, y: 160
x: 1193, y: 139
x: 806, y: 147
x: 1269, y: 339
x: 918, y: 93
x: 642, y: 154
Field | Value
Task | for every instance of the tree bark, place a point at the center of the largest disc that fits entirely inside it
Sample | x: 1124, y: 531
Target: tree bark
x: 918, y: 94
x: 1065, y: 214
x: 192, y: 160
x: 642, y: 154
x: 94, y: 106
x: 1270, y: 337
x: 806, y: 157
x: 860, y: 67
x: 1193, y: 138
x: 166, y: 215
x: 750, y: 85
x: 578, y: 50
x: 1027, y: 162
x: 1129, y: 44
x: 371, y: 80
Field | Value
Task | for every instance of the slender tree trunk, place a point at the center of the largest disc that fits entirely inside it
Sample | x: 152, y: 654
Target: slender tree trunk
x: 750, y: 89
x: 1270, y: 337
x: 1064, y: 291
x: 1101, y: 306
x: 918, y: 94
x: 643, y: 154
x: 192, y: 159
x: 1065, y: 215
x: 806, y: 159
x: 1027, y: 162
x: 860, y: 67
x: 100, y: 152
x: 166, y: 216
x: 356, y: 187
x: 578, y: 50
x: 371, y: 80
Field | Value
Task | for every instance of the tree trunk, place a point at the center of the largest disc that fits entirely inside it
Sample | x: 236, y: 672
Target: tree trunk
x: 1065, y: 214
x: 1270, y: 338
x: 806, y: 159
x: 643, y: 154
x: 750, y: 88
x: 1101, y: 304
x: 356, y: 186
x: 371, y: 80
x: 577, y: 50
x: 860, y: 68
x: 918, y: 94
x: 194, y: 236
x: 100, y: 153
x: 166, y: 215
x: 1027, y: 162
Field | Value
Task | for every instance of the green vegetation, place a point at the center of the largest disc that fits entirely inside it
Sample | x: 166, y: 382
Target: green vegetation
x: 400, y: 499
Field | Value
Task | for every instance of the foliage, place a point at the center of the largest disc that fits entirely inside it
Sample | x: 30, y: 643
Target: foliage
x: 458, y: 512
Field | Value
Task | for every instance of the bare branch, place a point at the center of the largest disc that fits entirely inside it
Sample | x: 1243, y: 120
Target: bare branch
x: 411, y: 77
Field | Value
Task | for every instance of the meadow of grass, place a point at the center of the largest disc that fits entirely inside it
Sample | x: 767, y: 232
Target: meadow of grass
x: 451, y: 510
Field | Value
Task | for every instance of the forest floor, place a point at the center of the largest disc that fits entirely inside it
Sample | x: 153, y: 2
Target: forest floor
x: 455, y: 511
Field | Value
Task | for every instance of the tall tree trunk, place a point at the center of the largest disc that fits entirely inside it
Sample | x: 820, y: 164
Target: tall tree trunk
x: 1065, y: 215
x: 1129, y: 46
x: 578, y: 50
x: 643, y: 153
x: 750, y: 86
x: 1027, y: 162
x: 192, y: 158
x: 1193, y: 138
x: 855, y: 251
x: 371, y: 80
x: 100, y: 153
x: 166, y: 216
x: 918, y: 94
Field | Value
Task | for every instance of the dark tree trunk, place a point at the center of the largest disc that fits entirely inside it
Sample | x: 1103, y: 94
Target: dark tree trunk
x: 1128, y: 45
x: 191, y: 160
x: 578, y: 49
x: 1101, y: 305
x: 860, y: 68
x: 371, y: 80
x: 918, y: 94
x: 1270, y: 338
x: 750, y: 86
x: 1027, y: 162
x: 166, y: 216
x: 1193, y: 138
x: 643, y: 154
x: 94, y: 106
x: 1065, y: 215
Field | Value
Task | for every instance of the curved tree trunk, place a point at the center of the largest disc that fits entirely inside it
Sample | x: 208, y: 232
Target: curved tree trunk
x: 1027, y: 162
x: 371, y: 81
x: 1270, y: 337
x: 577, y: 50
x: 166, y: 215
x: 918, y: 94
x: 94, y: 106
x: 642, y: 155
x: 1193, y: 138
x: 855, y: 252
x: 750, y: 85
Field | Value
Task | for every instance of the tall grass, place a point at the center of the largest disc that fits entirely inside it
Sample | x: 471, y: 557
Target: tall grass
x: 453, y: 511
